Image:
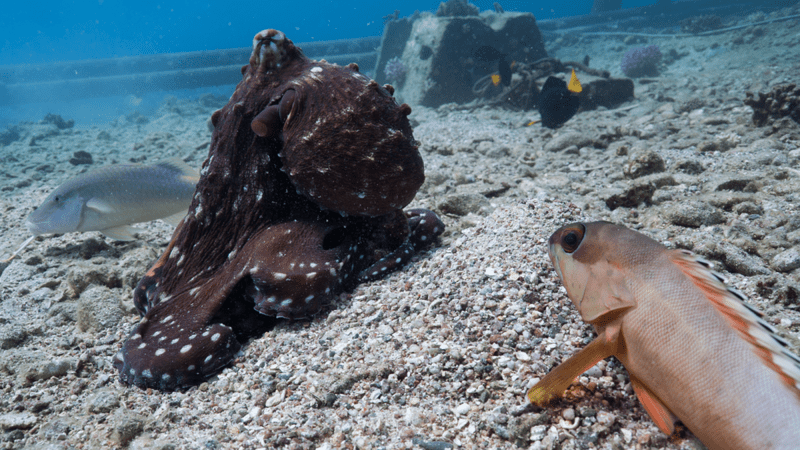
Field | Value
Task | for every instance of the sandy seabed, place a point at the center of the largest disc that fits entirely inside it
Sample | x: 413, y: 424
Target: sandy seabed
x: 440, y: 354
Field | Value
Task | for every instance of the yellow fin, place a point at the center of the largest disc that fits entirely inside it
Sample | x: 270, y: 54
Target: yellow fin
x: 558, y: 380
x: 495, y: 79
x: 661, y: 415
x: 574, y: 85
x: 532, y: 122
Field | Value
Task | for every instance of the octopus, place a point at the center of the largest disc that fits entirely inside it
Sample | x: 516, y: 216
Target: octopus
x: 300, y: 199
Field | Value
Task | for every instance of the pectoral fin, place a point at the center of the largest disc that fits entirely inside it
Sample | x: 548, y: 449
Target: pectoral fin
x: 663, y: 417
x: 121, y: 233
x: 100, y: 206
x: 558, y: 380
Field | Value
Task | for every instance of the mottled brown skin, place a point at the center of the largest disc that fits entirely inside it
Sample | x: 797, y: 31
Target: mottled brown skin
x: 299, y: 199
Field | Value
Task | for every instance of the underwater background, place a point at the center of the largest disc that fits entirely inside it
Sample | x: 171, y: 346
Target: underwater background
x: 36, y: 32
x: 688, y: 132
x: 42, y: 32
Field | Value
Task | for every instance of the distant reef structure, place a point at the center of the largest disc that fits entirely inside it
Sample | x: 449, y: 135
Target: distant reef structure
x: 438, y: 50
x: 452, y: 56
x: 782, y: 101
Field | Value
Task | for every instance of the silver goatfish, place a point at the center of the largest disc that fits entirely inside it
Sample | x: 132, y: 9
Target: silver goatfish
x: 111, y: 198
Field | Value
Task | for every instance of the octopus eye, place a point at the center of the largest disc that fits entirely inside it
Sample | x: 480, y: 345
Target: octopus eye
x: 572, y: 237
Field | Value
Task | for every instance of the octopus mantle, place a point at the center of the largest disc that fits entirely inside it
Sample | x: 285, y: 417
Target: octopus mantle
x: 300, y: 198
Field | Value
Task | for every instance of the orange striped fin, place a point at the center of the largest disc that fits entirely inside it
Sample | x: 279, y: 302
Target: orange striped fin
x: 745, y: 319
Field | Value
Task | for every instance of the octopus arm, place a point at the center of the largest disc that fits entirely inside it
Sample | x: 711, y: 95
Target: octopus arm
x: 425, y: 227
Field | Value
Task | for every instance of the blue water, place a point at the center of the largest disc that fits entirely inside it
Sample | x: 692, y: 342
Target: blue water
x: 36, y: 32
x: 47, y: 31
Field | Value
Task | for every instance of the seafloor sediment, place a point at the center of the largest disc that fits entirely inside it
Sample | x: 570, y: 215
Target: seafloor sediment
x: 443, y: 351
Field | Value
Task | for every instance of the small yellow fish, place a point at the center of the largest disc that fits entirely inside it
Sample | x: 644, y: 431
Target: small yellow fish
x: 495, y: 79
x: 574, y: 84
x: 695, y: 352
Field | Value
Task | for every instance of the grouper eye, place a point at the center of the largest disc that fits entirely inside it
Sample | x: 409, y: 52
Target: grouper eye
x: 571, y: 237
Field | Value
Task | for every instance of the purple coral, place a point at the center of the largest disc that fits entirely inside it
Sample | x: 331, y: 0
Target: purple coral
x: 395, y: 70
x: 641, y: 61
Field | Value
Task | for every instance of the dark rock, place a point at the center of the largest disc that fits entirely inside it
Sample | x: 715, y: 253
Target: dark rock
x: 783, y: 101
x: 103, y: 401
x: 748, y: 208
x: 455, y: 8
x: 98, y: 309
x: 603, y: 91
x: 786, y: 261
x: 58, y: 121
x: 11, y: 336
x: 127, y: 425
x: 636, y: 193
x: 732, y: 183
x: 463, y: 204
x: 693, y: 214
x: 81, y: 157
x: 644, y: 163
x: 17, y: 421
x: 727, y: 199
x: 45, y: 369
x: 738, y: 261
x: 81, y: 275
x: 565, y: 140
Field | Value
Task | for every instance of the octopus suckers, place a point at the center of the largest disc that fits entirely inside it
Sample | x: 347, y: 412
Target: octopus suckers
x: 186, y: 348
x: 142, y: 345
x: 160, y: 352
x: 215, y: 337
